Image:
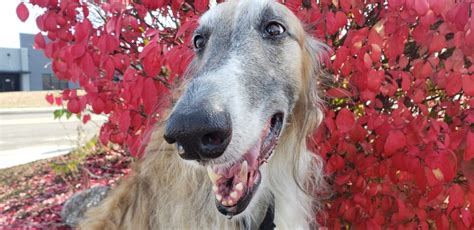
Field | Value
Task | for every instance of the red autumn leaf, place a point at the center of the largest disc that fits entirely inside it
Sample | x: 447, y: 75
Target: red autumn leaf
x: 117, y: 137
x: 376, y: 52
x: 98, y: 105
x: 466, y: 217
x: 77, y: 50
x: 419, y: 96
x: 86, y: 118
x: 82, y: 30
x: 87, y: 65
x: 40, y: 42
x: 294, y: 5
x: 426, y: 71
x: 150, y: 96
x: 331, y: 24
x: 201, y: 5
x: 438, y: 43
x: 456, y: 197
x: 125, y: 122
x: 187, y: 26
x: 421, y: 7
x: 40, y: 22
x: 151, y: 59
x: 104, y: 134
x: 403, y: 212
x: 341, y: 56
x: 468, y: 85
x: 469, y: 149
x: 41, y: 3
x: 442, y: 221
x: 396, y: 141
x: 454, y: 83
x: 375, y: 38
x: 345, y: 120
x: 367, y: 61
x: 176, y: 4
x: 374, y: 80
x: 341, y: 19
x: 469, y: 39
x: 338, y: 92
x: 459, y: 15
x: 358, y: 16
x: 111, y: 25
x: 22, y: 12
x: 73, y: 106
x: 109, y: 67
x: 50, y: 22
x: 467, y: 168
x: 58, y: 101
x: 49, y: 98
x: 437, y: 5
x: 406, y: 82
x: 395, y: 4
x: 373, y: 225
x: 335, y: 163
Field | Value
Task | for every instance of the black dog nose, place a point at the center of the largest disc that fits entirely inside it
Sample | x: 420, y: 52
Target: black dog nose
x: 201, y: 134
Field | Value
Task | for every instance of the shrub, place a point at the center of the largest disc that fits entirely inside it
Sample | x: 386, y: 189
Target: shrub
x: 399, y: 129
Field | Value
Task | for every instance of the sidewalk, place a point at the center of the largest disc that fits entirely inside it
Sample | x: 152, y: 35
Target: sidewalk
x: 10, y: 158
x: 29, y: 132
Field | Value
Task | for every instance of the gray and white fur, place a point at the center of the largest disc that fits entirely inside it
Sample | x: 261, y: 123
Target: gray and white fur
x: 251, y: 77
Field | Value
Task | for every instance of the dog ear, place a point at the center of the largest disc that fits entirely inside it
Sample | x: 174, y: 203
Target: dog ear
x: 316, y: 52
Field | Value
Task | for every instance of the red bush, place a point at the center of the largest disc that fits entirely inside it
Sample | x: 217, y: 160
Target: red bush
x: 399, y: 129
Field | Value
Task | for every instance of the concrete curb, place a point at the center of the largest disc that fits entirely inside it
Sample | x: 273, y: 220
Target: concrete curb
x: 28, y: 110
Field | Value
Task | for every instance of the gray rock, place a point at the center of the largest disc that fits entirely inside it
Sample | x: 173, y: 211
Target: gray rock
x: 75, y: 207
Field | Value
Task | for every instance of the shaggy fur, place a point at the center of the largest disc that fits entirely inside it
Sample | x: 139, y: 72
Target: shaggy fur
x: 164, y: 192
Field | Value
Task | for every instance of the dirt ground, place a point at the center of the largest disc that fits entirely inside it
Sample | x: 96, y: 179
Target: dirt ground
x: 32, y: 195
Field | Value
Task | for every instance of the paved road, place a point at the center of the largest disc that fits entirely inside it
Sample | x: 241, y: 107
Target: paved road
x: 27, y: 136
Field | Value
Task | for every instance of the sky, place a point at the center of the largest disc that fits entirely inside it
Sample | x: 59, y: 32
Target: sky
x: 11, y: 26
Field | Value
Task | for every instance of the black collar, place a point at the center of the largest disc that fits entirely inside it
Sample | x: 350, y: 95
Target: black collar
x: 267, y: 223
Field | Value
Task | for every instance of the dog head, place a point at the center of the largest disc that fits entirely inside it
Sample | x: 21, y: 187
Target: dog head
x: 254, y: 66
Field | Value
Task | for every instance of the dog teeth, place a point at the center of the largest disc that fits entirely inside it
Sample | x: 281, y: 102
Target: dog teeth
x: 244, y: 169
x: 215, y: 188
x: 233, y: 194
x: 212, y: 175
x: 180, y: 149
x: 230, y: 202
x: 239, y: 186
x: 219, y: 197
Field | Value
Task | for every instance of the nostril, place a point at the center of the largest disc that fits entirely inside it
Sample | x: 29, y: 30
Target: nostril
x: 169, y: 139
x: 213, y: 139
x: 213, y: 144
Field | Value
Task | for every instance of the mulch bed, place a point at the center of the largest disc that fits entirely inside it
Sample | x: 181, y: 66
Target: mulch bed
x: 32, y: 195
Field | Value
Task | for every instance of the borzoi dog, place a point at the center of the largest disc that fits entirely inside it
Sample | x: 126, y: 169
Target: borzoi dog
x: 252, y: 85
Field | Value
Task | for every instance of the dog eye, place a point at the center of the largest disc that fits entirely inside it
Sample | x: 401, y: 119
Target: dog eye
x: 199, y: 41
x: 274, y: 29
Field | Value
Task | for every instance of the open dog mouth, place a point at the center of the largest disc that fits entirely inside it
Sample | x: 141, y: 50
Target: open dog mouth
x: 235, y: 186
